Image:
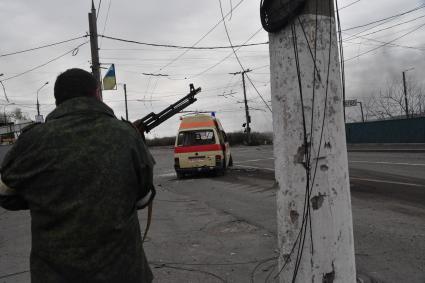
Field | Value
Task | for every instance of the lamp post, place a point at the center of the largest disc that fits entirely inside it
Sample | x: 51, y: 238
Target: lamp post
x: 125, y: 99
x: 4, y: 89
x: 405, y: 92
x: 38, y: 104
x: 361, y: 110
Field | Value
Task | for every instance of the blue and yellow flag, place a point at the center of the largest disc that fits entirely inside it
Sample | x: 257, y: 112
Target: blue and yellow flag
x: 110, y: 81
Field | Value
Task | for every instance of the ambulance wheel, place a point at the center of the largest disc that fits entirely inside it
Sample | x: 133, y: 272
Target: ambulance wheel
x: 230, y: 161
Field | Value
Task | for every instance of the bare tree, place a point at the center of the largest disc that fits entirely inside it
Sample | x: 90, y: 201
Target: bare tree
x: 18, y: 114
x: 389, y: 102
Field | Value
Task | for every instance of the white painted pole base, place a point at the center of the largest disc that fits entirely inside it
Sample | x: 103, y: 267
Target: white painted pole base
x: 329, y: 257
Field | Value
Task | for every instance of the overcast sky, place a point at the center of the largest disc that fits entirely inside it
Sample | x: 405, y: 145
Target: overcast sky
x: 26, y: 24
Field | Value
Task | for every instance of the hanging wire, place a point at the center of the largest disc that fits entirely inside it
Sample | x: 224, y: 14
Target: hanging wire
x: 41, y: 47
x: 341, y: 57
x: 98, y: 9
x: 106, y: 22
x: 237, y: 58
x: 181, y: 46
x: 73, y: 50
x: 386, y: 43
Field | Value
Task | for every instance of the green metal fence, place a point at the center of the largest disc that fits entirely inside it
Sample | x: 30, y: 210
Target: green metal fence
x: 388, y: 131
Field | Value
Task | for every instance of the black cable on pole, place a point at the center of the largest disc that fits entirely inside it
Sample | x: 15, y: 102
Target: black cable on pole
x: 301, y: 237
x: 341, y: 54
x: 41, y: 47
x: 274, y: 19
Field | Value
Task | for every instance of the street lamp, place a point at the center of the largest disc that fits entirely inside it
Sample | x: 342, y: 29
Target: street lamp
x: 4, y: 89
x: 405, y: 92
x: 361, y: 109
x: 38, y: 104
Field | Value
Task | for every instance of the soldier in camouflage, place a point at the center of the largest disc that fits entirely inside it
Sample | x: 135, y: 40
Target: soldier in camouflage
x: 81, y: 175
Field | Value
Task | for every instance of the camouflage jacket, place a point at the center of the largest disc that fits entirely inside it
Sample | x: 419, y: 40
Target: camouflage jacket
x: 81, y: 174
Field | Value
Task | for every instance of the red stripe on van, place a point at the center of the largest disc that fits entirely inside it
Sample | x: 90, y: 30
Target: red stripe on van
x: 197, y: 148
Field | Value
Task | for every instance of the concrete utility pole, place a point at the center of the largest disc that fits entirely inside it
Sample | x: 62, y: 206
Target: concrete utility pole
x: 248, y: 118
x: 315, y: 231
x: 94, y: 47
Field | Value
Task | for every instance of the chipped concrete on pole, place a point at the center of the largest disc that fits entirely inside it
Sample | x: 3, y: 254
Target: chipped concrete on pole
x: 331, y: 257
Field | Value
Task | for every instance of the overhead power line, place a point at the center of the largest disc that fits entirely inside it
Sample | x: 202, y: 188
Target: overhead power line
x: 98, y: 9
x: 203, y: 36
x: 226, y: 57
x: 43, y: 46
x: 386, y: 43
x: 237, y: 58
x: 348, y: 5
x: 74, y: 51
x: 180, y: 46
x: 106, y: 21
x: 386, y: 28
x: 392, y: 45
x: 387, y: 18
x: 155, y: 75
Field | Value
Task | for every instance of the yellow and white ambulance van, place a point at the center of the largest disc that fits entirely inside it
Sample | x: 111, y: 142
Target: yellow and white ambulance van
x: 201, y: 146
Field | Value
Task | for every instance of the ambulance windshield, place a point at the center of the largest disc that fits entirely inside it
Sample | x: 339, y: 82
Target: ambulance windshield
x: 199, y: 137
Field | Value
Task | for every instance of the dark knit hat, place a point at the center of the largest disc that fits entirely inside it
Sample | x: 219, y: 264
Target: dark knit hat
x: 74, y: 83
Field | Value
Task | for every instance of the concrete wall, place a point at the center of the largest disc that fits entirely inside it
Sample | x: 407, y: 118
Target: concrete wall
x: 388, y: 131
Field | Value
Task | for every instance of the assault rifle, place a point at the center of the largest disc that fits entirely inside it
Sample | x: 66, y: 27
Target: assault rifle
x: 150, y: 121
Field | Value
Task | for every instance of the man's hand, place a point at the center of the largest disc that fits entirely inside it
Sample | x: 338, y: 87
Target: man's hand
x: 140, y: 127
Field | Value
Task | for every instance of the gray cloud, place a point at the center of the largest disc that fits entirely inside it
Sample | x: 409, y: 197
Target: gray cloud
x: 31, y: 23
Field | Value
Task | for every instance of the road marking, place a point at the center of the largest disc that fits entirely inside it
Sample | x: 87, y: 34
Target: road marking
x: 254, y: 167
x: 388, y: 182
x: 388, y: 163
x: 253, y: 160
x: 170, y: 174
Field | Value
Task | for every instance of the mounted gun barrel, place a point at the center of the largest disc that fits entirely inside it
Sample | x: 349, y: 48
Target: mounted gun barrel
x: 150, y: 121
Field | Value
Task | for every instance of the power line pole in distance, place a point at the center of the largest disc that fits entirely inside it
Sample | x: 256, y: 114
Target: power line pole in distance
x: 248, y: 117
x: 315, y: 231
x: 126, y: 106
x: 94, y: 47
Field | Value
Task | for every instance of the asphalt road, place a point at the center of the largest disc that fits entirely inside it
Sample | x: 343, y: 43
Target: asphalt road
x: 388, y: 198
x: 223, y: 229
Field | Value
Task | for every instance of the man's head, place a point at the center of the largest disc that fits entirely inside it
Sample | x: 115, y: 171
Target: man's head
x: 74, y: 83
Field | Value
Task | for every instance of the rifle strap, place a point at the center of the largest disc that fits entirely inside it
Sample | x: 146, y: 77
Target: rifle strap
x: 149, y: 220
